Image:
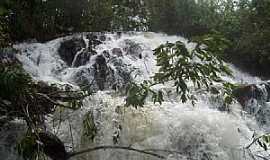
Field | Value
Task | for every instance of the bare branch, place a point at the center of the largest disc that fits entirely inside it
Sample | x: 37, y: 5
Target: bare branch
x: 163, y: 150
x: 53, y: 102
x: 254, y: 141
x: 117, y: 148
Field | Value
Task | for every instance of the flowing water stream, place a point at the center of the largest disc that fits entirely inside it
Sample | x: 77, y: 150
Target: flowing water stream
x: 200, y: 132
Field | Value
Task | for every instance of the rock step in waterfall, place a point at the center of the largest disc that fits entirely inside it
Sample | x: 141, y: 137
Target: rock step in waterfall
x: 107, y: 71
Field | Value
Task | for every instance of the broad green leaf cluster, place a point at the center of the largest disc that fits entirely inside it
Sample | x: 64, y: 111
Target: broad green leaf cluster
x: 201, y: 65
x: 137, y: 94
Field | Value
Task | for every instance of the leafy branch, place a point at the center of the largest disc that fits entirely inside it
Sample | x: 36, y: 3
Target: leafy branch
x: 137, y: 94
x: 202, y: 66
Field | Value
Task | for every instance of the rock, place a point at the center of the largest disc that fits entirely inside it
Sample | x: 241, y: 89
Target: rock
x: 68, y: 49
x: 243, y: 93
x: 247, y: 92
x: 117, y: 51
x: 52, y: 146
x: 121, y: 75
x: 132, y: 48
x: 253, y: 99
x: 84, y: 78
x: 106, y: 54
x: 93, y: 40
x: 82, y: 58
x: 115, y: 75
x: 101, y: 69
x: 102, y: 37
x: 267, y: 88
x: 74, y: 53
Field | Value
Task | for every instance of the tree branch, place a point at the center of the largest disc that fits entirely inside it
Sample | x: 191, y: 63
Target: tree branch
x: 163, y: 150
x: 254, y: 141
x: 53, y: 102
x: 117, y: 148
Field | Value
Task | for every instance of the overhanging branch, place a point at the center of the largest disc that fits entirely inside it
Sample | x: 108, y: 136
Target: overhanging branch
x: 115, y: 148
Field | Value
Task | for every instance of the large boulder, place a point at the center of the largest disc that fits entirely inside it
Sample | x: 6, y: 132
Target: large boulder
x: 114, y: 74
x: 83, y: 58
x: 75, y: 53
x: 68, y: 49
x: 253, y: 99
x: 52, y: 146
x: 93, y: 78
x: 245, y: 93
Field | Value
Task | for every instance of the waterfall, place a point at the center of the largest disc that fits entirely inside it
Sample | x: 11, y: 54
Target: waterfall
x: 200, y: 132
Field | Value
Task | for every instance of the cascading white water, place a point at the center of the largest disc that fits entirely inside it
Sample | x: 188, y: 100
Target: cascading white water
x: 199, y: 132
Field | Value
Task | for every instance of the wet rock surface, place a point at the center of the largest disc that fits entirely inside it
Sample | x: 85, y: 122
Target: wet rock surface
x: 74, y: 52
x: 53, y: 146
x: 132, y: 48
x: 95, y: 39
x: 82, y: 58
x: 122, y: 75
x: 100, y: 71
x: 254, y: 99
x: 107, y: 69
x: 260, y: 92
x: 103, y: 75
x: 84, y: 78
x: 68, y: 49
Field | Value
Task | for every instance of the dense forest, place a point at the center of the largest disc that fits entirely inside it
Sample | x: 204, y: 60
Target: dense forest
x: 233, y: 31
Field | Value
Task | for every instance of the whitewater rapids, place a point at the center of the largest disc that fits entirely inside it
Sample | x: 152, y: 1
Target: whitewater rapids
x: 199, y: 132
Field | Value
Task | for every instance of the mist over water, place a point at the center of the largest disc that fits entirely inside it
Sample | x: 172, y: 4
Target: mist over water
x: 199, y: 132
